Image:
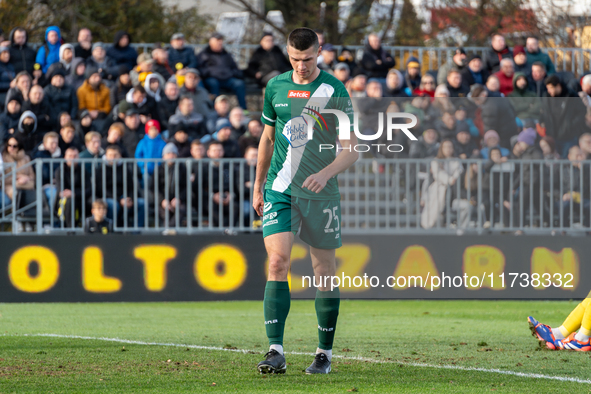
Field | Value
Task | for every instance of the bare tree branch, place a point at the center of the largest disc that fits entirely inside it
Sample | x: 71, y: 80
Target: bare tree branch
x: 247, y: 7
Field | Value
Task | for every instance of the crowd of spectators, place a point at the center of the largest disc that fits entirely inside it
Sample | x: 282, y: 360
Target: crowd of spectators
x: 107, y: 102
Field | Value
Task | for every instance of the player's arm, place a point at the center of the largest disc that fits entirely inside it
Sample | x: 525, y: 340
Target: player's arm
x: 348, y: 156
x: 263, y: 163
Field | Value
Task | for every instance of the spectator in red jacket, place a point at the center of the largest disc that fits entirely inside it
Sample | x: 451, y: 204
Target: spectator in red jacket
x: 505, y: 76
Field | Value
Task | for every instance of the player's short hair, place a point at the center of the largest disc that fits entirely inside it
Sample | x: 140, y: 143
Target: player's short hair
x: 51, y: 134
x: 303, y: 38
x: 99, y: 204
x: 90, y: 135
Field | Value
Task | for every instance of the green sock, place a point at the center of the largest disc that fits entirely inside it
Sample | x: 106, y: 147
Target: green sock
x: 327, y: 310
x: 276, y: 305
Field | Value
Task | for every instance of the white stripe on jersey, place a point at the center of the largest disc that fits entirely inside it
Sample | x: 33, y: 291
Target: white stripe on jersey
x: 318, y: 101
x: 269, y: 119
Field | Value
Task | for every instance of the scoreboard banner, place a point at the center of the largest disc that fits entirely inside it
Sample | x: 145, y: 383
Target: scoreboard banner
x: 216, y: 267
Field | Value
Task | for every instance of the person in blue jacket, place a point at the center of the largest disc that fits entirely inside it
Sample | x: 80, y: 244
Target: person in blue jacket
x: 150, y: 147
x: 49, y: 52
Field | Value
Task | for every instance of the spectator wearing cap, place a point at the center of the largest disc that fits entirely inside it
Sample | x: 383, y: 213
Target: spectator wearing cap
x: 455, y: 85
x: 122, y: 85
x: 525, y: 102
x: 223, y: 135
x: 150, y: 147
x: 412, y: 75
x: 168, y: 104
x: 329, y: 54
x: 76, y: 76
x: 144, y: 67
x: 201, y: 102
x: 49, y: 52
x: 94, y: 95
x: 62, y: 98
x: 520, y: 60
x: 10, y: 118
x: 505, y: 76
x: 105, y: 65
x: 496, y: 114
x: 161, y: 64
x: 491, y: 140
x: 562, y: 114
x: 178, y: 53
x: 458, y: 61
x: 66, y: 56
x: 474, y: 73
x: 219, y: 70
x: 342, y: 72
x: 180, y: 139
x: 172, y: 179
x: 83, y: 48
x: 267, y: 61
x: 464, y: 146
x: 221, y: 110
x: 497, y: 51
x: 122, y: 53
x: 22, y: 57
x: 133, y: 131
x: 187, y: 119
x: 535, y: 54
x: 7, y: 74
x: 347, y: 57
x: 376, y: 60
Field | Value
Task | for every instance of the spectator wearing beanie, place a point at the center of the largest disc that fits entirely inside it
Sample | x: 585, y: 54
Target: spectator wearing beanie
x: 121, y: 52
x: 22, y: 57
x: 491, y: 141
x: 525, y: 102
x: 66, y: 56
x: 62, y: 98
x: 412, y: 75
x: 222, y: 135
x: 93, y: 95
x: 520, y: 60
x: 122, y: 85
x: 150, y: 147
x: 9, y: 119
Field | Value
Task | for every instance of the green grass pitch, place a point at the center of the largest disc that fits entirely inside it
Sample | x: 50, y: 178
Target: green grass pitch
x: 404, y: 346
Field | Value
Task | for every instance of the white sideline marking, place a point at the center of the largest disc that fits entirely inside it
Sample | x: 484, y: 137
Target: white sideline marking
x: 356, y: 358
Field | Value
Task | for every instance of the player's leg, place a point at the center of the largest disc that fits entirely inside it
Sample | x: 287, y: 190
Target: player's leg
x: 549, y: 336
x: 327, y: 308
x: 580, y: 317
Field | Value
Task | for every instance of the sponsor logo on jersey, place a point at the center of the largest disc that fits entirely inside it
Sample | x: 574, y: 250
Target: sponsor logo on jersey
x: 298, y: 94
x: 296, y: 131
x: 269, y: 216
x: 272, y: 321
x: 281, y: 105
x: 267, y: 206
x: 270, y: 222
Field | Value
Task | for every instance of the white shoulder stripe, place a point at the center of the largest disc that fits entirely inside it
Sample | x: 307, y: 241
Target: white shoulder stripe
x: 269, y: 119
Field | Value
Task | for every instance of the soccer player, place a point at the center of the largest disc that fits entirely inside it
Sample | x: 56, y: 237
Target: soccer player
x: 566, y: 336
x: 301, y: 190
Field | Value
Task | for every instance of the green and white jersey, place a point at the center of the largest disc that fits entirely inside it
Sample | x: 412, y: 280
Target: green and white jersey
x: 290, y: 108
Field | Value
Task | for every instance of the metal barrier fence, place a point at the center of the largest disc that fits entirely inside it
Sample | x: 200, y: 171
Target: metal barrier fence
x: 383, y: 196
x: 575, y: 60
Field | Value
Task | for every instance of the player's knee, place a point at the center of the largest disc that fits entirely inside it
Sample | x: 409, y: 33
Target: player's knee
x: 278, y: 264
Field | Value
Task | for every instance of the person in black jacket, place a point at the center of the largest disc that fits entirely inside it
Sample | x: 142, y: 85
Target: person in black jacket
x: 83, y: 48
x: 219, y: 70
x: 69, y: 189
x: 62, y: 98
x: 121, y: 52
x: 497, y: 114
x: 146, y: 105
x: 10, y: 118
x: 188, y: 120
x: 563, y: 114
x: 161, y: 65
x: 267, y: 61
x: 180, y: 54
x: 172, y: 178
x: 455, y: 86
x: 376, y: 61
x: 494, y: 54
x: 106, y: 66
x: 168, y: 103
x: 22, y: 57
x: 40, y: 106
x: 98, y: 223
x: 7, y: 74
x: 122, y: 86
x: 474, y: 73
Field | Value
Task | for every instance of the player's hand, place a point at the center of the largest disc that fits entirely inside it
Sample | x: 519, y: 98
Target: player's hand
x: 315, y: 182
x: 258, y: 202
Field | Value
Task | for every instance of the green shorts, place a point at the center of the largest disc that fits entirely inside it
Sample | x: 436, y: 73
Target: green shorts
x: 319, y: 221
